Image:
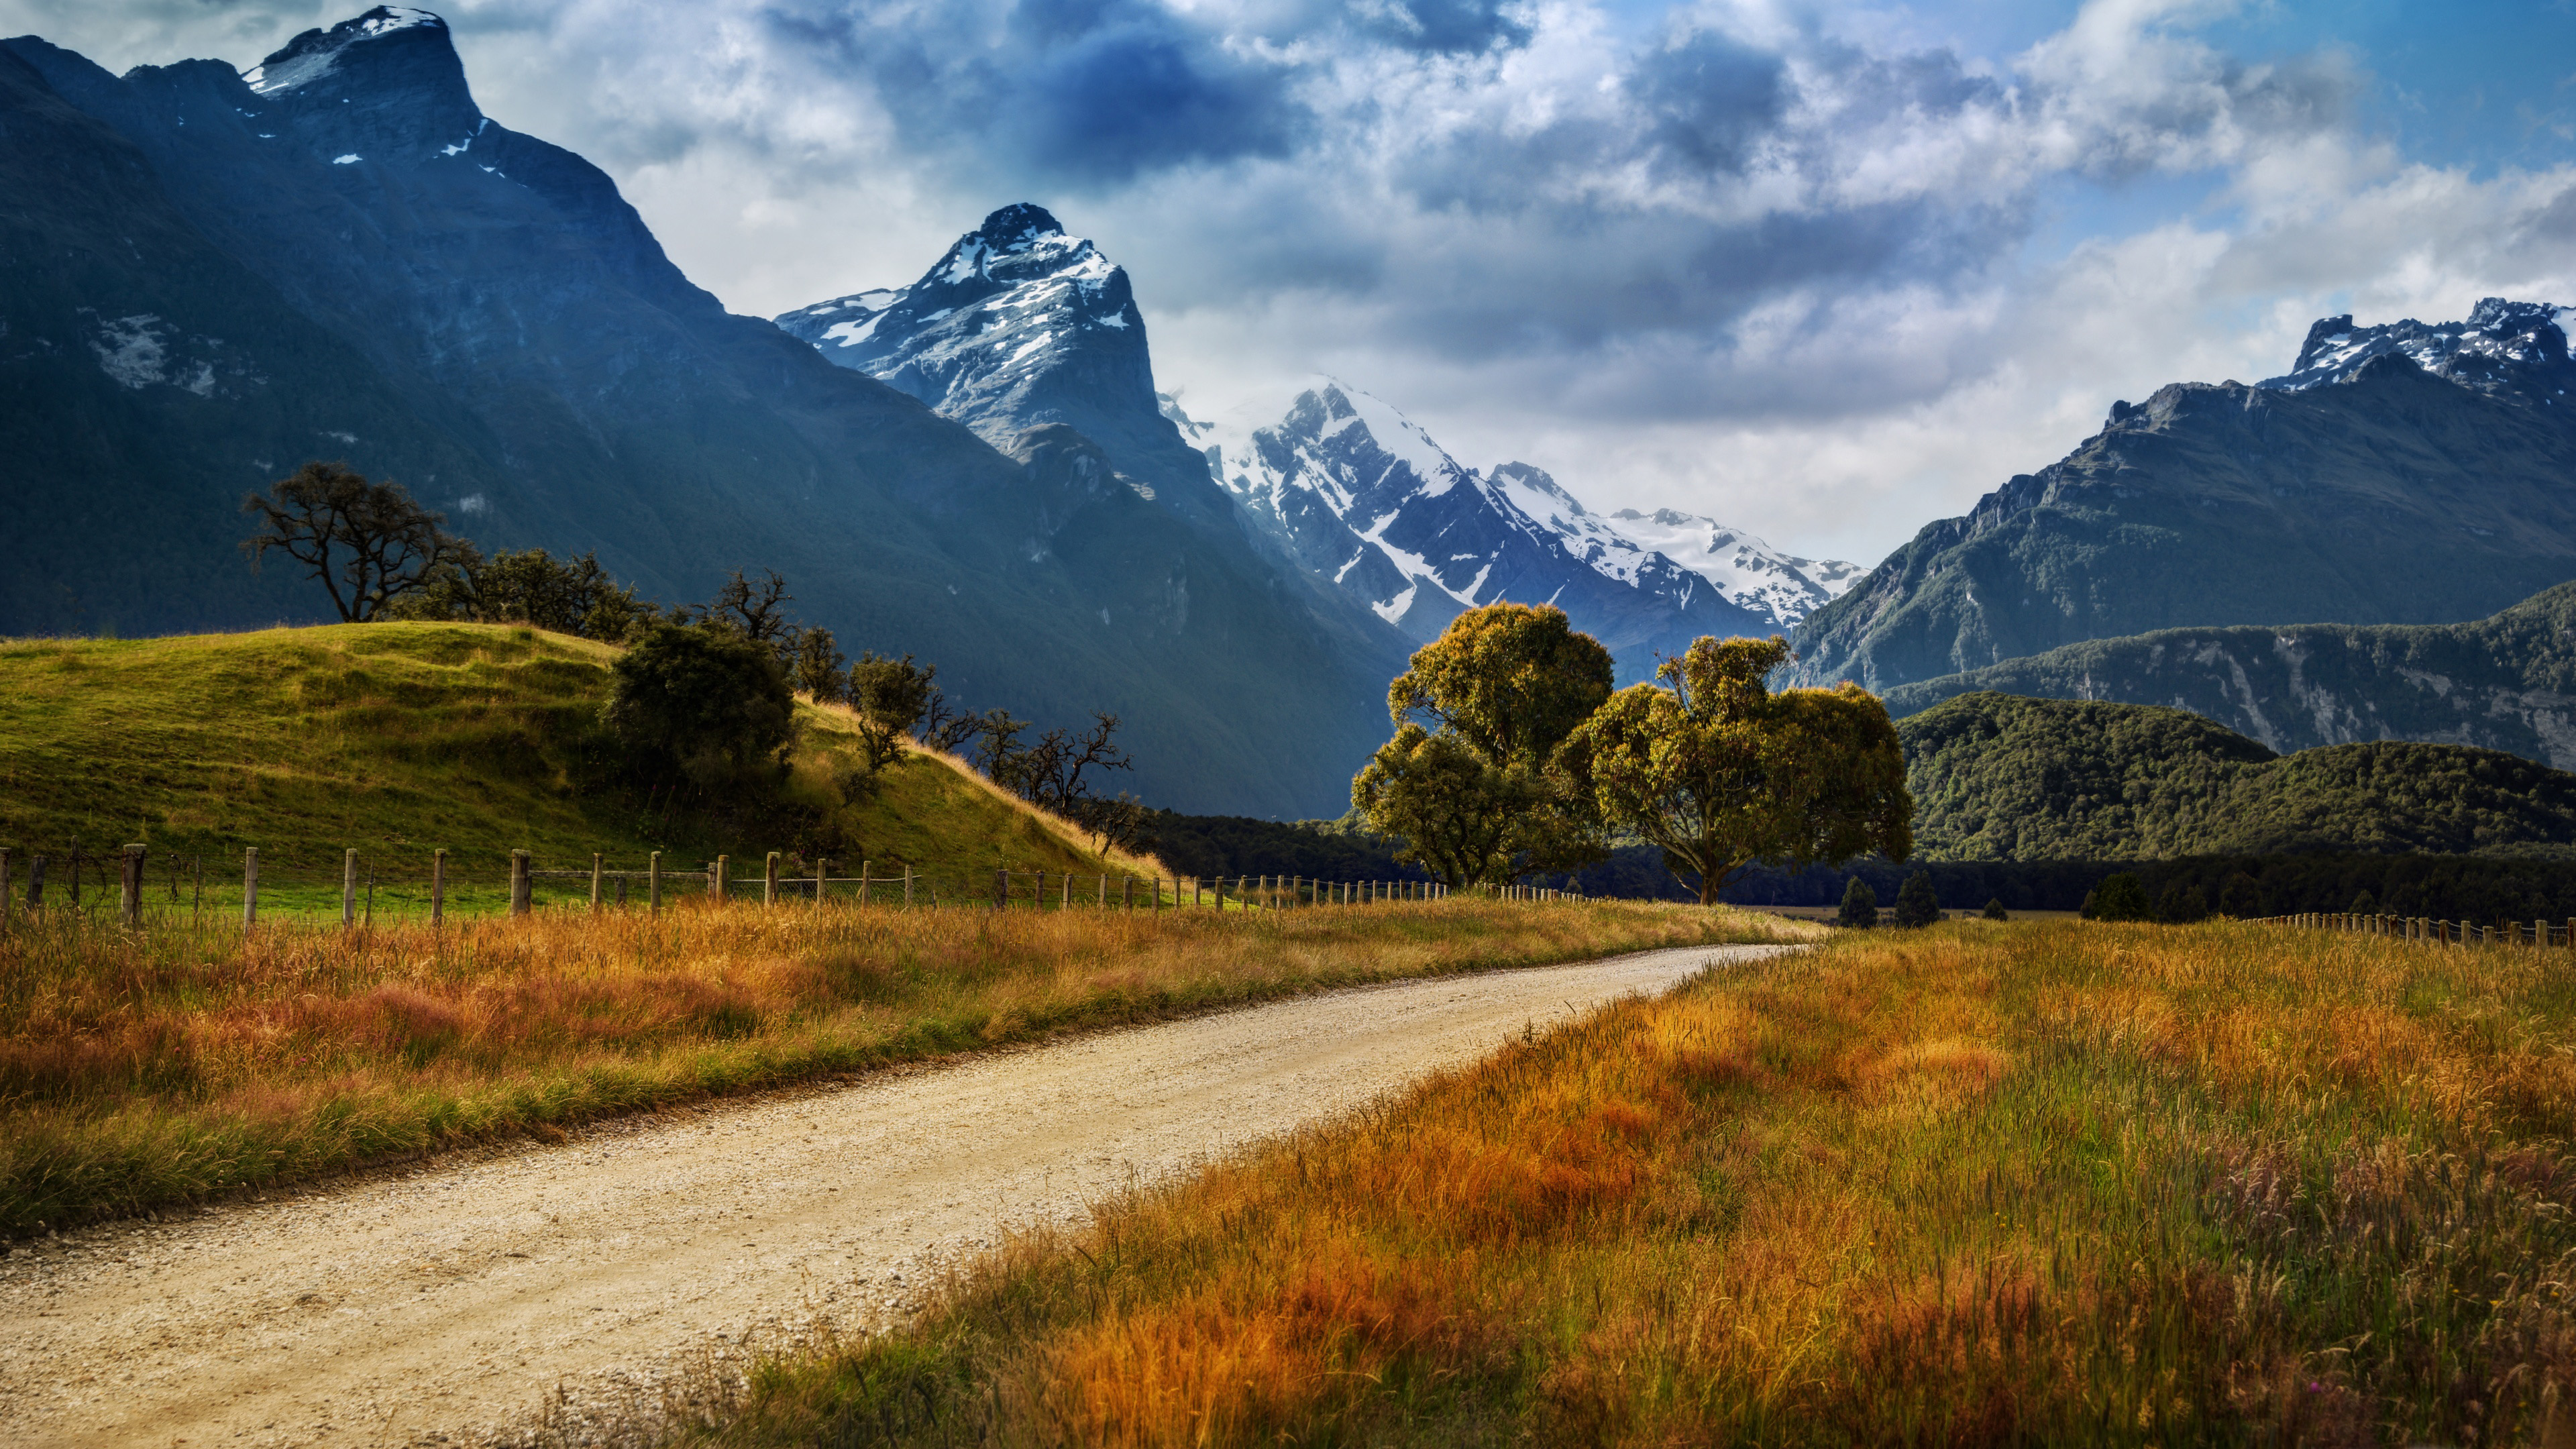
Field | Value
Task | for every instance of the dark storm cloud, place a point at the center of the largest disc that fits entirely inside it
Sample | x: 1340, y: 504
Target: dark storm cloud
x: 1085, y: 93
x: 1708, y: 99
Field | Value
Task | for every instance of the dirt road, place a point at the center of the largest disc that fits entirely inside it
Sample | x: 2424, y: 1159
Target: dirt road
x: 440, y: 1303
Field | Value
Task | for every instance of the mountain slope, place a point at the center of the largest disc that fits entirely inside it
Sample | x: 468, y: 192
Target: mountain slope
x: 2373, y: 492
x: 1996, y: 777
x: 550, y: 378
x: 2502, y: 683
x: 1351, y: 491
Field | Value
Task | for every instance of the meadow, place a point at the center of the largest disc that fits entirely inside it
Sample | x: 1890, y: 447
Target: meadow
x: 145, y: 1068
x: 1975, y: 1184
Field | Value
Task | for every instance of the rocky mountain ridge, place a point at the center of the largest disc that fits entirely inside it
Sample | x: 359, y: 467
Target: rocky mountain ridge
x: 2361, y: 488
x: 349, y: 260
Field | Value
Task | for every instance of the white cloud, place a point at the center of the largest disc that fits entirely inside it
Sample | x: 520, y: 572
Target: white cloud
x: 1755, y: 260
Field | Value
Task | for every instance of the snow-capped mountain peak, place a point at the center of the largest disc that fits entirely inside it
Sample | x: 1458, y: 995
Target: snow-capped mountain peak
x: 2505, y: 348
x: 1743, y: 567
x: 1353, y: 491
x: 991, y: 333
x: 314, y: 53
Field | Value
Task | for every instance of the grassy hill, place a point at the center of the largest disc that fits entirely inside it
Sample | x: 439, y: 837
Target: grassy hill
x: 398, y: 739
x: 2000, y: 777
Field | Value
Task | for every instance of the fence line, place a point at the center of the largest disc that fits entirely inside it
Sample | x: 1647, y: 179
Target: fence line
x: 275, y: 888
x: 2538, y: 933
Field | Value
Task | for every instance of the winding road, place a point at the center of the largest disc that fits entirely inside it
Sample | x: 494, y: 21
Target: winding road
x: 442, y: 1302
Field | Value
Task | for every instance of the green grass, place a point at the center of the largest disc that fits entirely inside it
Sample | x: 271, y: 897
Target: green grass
x: 398, y: 739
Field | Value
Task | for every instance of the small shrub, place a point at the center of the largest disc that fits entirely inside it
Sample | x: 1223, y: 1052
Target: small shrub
x: 2119, y: 898
x: 1860, y: 905
x: 1916, y: 904
x: 1995, y: 910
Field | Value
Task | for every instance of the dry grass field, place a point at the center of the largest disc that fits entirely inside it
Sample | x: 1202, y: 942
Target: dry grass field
x: 2047, y: 1183
x: 142, y: 1068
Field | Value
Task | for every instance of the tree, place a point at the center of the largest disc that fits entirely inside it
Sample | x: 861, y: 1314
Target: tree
x: 1916, y: 904
x: 1511, y: 680
x: 1995, y: 909
x: 1721, y: 774
x: 1505, y: 683
x: 1459, y: 815
x: 368, y: 543
x: 568, y: 596
x: 757, y: 611
x: 890, y: 697
x: 1860, y: 905
x: 2120, y: 898
x: 2241, y: 897
x: 816, y: 665
x: 2183, y: 904
x: 1049, y: 774
x: 2363, y: 905
x: 707, y: 702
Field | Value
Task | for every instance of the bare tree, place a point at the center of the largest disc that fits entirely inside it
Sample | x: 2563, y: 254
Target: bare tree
x: 368, y: 543
x: 757, y: 611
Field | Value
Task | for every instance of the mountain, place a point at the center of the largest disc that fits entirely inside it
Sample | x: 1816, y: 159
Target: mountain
x: 215, y: 275
x: 1996, y: 777
x: 2502, y: 683
x: 1351, y: 491
x: 2398, y: 475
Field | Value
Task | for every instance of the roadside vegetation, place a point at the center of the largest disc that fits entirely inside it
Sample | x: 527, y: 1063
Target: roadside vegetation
x: 145, y: 1068
x: 2060, y: 1183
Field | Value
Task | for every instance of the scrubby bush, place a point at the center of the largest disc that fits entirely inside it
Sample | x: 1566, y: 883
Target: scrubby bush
x: 1916, y: 904
x: 1995, y: 910
x: 708, y: 704
x: 1860, y: 906
x: 2119, y: 898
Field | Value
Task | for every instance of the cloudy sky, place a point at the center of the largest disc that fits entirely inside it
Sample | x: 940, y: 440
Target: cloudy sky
x: 1824, y: 271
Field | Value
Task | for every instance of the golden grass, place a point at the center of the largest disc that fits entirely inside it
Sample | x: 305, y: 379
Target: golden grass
x: 1974, y: 1185
x: 140, y: 1068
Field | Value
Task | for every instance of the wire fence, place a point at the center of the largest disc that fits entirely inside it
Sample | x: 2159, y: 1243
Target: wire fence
x: 2539, y: 933
x: 354, y: 887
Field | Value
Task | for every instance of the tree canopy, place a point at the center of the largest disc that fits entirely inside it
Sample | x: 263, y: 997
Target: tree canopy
x: 1720, y: 773
x: 709, y: 703
x: 1475, y: 794
x: 367, y: 543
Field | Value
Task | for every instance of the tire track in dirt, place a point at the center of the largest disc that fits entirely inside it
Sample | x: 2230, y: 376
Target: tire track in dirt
x: 441, y: 1303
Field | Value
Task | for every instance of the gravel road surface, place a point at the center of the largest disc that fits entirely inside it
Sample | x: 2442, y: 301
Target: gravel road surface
x: 441, y: 1302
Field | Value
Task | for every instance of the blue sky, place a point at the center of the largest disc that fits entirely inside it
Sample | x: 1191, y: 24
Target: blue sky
x: 1822, y: 271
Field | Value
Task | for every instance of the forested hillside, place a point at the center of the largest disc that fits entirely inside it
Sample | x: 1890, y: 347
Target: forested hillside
x: 2000, y: 777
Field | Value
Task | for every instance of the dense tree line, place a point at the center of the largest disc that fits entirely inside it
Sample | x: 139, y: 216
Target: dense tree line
x: 1999, y: 777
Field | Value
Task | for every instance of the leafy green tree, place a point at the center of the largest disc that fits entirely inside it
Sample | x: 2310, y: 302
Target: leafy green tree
x: 1511, y: 680
x: 1720, y: 773
x: 2363, y: 905
x: 890, y: 697
x: 708, y: 703
x: 1860, y: 905
x: 1460, y: 816
x: 1500, y: 688
x: 1916, y: 904
x: 368, y: 543
x: 1995, y: 909
x: 2120, y: 898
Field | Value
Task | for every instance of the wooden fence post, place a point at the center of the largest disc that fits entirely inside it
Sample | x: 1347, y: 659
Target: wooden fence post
x: 863, y: 882
x: 519, y: 897
x: 907, y: 886
x: 438, y: 887
x: 1127, y: 892
x: 250, y: 884
x: 1002, y: 889
x: 769, y: 880
x: 133, y: 882
x: 653, y: 882
x: 595, y: 877
x: 348, y: 888
x: 822, y: 873
x: 718, y: 877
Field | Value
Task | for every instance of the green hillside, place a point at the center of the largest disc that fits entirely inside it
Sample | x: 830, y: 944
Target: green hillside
x: 400, y: 738
x: 2000, y: 777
